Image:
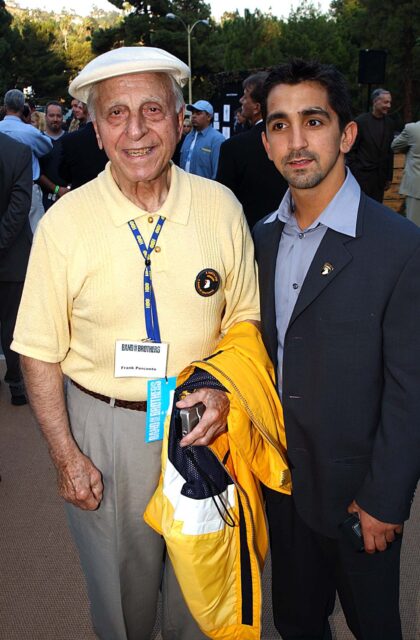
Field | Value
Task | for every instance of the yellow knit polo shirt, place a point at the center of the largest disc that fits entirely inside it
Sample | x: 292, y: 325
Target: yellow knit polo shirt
x: 84, y: 285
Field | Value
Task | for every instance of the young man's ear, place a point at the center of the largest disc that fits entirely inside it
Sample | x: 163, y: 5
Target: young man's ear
x: 348, y: 137
x: 266, y: 144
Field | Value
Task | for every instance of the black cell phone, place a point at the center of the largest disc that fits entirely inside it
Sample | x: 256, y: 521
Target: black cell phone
x: 351, y: 531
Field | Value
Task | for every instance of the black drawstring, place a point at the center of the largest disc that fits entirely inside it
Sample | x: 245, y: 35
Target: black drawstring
x: 226, y: 517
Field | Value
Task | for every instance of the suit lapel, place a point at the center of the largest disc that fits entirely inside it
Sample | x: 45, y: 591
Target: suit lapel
x: 267, y: 259
x: 331, y: 257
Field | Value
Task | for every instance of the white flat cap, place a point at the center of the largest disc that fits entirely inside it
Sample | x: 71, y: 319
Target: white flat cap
x: 120, y: 62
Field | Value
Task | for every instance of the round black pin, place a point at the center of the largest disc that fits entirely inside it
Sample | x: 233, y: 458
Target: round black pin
x: 207, y: 282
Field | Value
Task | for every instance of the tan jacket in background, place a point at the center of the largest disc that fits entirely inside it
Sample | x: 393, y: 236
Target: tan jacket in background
x: 409, y: 142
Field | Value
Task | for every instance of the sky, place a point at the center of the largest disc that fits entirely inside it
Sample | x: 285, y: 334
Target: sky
x: 280, y: 8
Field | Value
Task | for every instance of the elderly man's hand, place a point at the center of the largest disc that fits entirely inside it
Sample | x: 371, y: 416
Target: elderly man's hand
x: 214, y: 418
x: 376, y: 534
x: 80, y: 482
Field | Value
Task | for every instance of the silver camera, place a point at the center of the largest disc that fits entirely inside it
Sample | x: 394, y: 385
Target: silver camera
x: 190, y: 417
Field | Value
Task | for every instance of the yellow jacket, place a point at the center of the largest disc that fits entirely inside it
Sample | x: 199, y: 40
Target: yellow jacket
x: 217, y: 543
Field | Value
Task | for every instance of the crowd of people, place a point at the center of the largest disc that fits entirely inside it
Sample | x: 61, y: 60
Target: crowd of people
x: 299, y: 343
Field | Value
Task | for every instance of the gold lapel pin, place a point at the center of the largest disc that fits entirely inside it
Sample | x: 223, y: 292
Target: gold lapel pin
x: 326, y: 269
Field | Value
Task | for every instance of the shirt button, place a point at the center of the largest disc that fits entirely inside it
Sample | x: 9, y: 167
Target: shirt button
x: 150, y: 219
x: 157, y: 249
x: 295, y: 285
x: 301, y: 235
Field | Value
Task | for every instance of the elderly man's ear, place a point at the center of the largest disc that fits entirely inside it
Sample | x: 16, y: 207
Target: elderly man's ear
x: 180, y: 117
x: 98, y: 137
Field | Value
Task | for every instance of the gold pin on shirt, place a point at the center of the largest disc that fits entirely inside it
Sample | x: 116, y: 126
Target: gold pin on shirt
x: 326, y: 269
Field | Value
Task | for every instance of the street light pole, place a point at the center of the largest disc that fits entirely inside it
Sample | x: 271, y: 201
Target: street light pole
x: 188, y: 29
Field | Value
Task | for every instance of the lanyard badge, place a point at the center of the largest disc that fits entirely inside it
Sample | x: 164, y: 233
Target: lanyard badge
x: 150, y: 309
x: 146, y: 359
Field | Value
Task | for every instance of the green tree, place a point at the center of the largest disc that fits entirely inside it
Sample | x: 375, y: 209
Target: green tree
x: 250, y: 42
x: 50, y: 49
x: 9, y: 39
x: 394, y: 26
x: 146, y: 24
x: 37, y: 62
x: 309, y: 33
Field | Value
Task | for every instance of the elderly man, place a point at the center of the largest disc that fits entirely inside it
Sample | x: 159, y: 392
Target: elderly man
x: 126, y: 261
x: 12, y: 125
x: 201, y: 147
x: 371, y: 159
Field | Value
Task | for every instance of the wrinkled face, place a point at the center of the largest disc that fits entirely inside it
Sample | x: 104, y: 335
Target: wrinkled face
x: 54, y: 118
x: 249, y: 107
x: 200, y: 120
x: 303, y: 137
x: 382, y: 105
x: 137, y: 125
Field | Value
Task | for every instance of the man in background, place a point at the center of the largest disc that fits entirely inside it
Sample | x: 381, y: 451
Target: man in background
x: 244, y: 166
x: 52, y: 184
x: 186, y: 128
x: 40, y: 145
x: 15, y: 245
x: 409, y: 142
x: 201, y: 147
x: 371, y: 158
x: 81, y: 158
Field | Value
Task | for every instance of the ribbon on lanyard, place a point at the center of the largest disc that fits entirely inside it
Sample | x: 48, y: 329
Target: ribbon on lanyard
x: 150, y: 309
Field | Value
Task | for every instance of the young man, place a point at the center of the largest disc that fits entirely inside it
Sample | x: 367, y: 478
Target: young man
x: 340, y: 302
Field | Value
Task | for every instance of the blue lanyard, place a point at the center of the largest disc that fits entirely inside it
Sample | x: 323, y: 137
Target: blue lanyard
x: 150, y: 309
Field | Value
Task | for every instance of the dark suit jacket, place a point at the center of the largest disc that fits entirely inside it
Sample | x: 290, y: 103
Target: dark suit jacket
x: 244, y: 167
x: 351, y: 368
x: 371, y: 158
x: 15, y: 203
x: 81, y: 159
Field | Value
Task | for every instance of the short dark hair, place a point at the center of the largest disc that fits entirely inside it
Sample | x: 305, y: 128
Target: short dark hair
x: 53, y: 103
x: 297, y: 70
x: 255, y: 83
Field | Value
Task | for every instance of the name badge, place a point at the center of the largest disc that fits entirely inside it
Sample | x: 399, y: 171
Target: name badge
x: 140, y: 359
x: 160, y: 397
